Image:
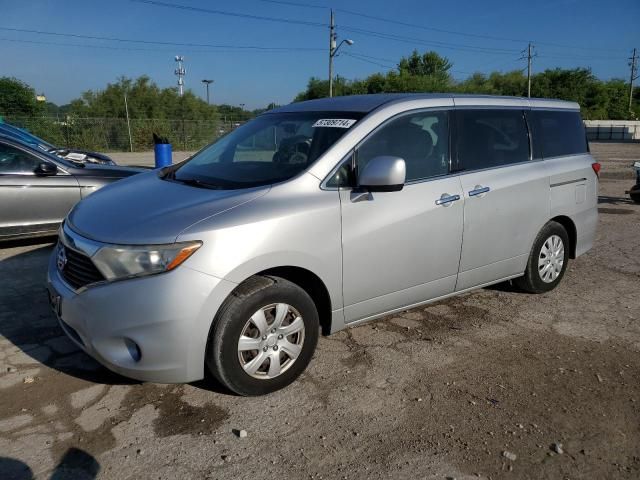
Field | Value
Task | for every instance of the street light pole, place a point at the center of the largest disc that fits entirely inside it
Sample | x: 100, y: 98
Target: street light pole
x: 207, y: 83
x: 126, y: 109
x: 333, y: 49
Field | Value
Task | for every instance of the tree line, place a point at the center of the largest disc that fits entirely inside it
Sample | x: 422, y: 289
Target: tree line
x: 98, y: 118
x: 430, y: 72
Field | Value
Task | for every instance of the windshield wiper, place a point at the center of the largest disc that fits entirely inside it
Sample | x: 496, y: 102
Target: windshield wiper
x: 167, y: 174
x: 194, y: 182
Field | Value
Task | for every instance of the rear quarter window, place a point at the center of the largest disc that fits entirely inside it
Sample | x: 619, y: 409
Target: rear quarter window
x: 557, y: 133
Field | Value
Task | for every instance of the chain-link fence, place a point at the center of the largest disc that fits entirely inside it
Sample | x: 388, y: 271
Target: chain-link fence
x: 115, y: 134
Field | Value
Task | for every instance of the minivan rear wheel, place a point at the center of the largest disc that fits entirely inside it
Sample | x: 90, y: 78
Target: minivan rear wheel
x: 548, y: 260
x: 263, y: 337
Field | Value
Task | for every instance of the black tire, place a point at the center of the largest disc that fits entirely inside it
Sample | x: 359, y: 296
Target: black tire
x: 532, y: 281
x: 222, y: 348
x: 634, y: 193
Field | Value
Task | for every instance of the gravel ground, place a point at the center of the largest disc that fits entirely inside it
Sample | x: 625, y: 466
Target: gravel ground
x: 491, y: 384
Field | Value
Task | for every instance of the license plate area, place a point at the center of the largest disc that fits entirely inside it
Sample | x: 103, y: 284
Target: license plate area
x: 55, y: 302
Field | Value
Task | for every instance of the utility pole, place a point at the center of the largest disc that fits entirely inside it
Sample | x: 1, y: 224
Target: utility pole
x: 634, y: 75
x: 529, y: 57
x: 180, y: 73
x: 207, y: 83
x: 332, y: 47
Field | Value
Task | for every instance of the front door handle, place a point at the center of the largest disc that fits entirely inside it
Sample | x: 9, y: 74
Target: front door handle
x: 479, y: 191
x: 446, y: 200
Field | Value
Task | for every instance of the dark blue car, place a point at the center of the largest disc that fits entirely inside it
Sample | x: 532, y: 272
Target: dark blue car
x: 10, y: 131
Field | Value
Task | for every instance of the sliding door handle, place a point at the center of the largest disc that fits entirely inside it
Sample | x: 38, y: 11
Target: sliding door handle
x: 446, y: 200
x: 479, y: 191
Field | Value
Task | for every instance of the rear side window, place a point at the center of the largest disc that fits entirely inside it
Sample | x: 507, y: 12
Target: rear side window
x: 490, y: 138
x: 557, y: 133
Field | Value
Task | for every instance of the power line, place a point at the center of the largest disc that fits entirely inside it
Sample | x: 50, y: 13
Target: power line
x: 464, y: 34
x: 414, y: 40
x: 434, y: 29
x: 423, y: 27
x: 230, y: 14
x: 583, y: 57
x: 363, y: 58
x: 492, y: 67
x: 152, y: 50
x: 376, y: 58
x: 296, y: 4
x: 106, y: 47
x: 399, y: 38
x: 154, y: 42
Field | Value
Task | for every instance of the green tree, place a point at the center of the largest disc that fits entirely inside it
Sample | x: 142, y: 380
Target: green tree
x: 316, y: 88
x: 429, y: 64
x: 617, y: 97
x: 18, y: 99
x: 417, y: 73
x: 145, y: 100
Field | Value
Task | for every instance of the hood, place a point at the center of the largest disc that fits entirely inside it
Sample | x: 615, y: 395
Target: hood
x: 146, y: 210
x: 108, y: 171
x: 82, y: 156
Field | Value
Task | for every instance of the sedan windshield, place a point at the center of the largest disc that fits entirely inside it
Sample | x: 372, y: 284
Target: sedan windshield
x: 269, y: 149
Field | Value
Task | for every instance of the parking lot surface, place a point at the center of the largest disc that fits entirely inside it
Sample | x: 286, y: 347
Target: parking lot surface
x: 490, y: 384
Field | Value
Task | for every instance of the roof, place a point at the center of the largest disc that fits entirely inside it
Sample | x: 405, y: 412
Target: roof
x: 368, y: 103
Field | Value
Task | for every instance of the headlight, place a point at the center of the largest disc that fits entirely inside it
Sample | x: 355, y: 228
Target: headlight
x: 122, y: 261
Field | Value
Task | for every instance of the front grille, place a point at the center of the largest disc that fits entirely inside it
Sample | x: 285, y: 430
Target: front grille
x: 79, y: 270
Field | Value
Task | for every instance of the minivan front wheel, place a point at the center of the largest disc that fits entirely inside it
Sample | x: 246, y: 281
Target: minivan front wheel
x: 548, y: 260
x: 263, y: 337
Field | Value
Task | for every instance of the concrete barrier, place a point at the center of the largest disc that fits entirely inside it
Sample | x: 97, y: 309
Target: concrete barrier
x: 613, y: 130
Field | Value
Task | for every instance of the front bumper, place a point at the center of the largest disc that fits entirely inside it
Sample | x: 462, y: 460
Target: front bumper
x: 151, y: 328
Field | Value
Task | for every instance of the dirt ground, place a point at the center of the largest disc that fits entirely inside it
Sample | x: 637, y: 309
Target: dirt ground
x: 491, y: 384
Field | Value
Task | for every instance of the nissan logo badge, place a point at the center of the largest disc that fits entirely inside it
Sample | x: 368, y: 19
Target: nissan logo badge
x: 62, y: 258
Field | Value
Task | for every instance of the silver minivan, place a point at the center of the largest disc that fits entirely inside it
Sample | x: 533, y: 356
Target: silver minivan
x: 318, y: 216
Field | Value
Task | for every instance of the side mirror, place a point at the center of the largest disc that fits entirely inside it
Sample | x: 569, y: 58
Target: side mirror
x: 46, y: 169
x: 383, y: 174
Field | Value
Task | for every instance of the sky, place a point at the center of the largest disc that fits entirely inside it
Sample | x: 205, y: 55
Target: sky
x: 475, y: 35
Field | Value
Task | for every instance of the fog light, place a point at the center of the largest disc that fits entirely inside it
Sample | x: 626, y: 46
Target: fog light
x: 134, y: 349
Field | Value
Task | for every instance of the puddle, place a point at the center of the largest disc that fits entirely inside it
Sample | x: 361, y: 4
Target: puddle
x: 179, y: 418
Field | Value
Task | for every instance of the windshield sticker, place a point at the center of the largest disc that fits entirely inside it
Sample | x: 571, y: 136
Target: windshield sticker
x: 334, y: 122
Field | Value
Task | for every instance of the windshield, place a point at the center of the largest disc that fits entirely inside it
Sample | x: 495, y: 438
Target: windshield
x: 25, y: 136
x: 269, y: 149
